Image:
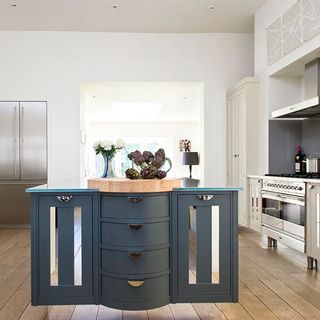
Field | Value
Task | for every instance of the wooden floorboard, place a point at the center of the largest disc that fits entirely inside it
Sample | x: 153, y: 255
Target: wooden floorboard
x: 274, y: 284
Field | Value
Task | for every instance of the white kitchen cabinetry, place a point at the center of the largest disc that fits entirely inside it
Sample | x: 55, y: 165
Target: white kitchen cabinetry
x: 242, y: 139
x: 313, y: 224
x: 254, y: 203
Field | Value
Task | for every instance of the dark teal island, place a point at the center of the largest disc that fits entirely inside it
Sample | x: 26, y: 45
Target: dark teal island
x: 133, y: 250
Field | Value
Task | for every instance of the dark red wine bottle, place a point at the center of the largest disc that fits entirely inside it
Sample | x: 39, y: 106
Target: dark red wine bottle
x: 298, y: 160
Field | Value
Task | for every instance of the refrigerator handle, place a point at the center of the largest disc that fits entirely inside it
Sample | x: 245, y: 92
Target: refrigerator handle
x: 16, y: 138
x: 21, y: 140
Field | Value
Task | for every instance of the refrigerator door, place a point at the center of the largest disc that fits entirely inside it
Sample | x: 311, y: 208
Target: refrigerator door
x: 9, y: 140
x: 33, y: 140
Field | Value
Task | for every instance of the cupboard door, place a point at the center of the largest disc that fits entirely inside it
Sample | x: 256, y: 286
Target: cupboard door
x: 207, y: 247
x: 33, y: 140
x: 255, y: 203
x: 9, y: 140
x: 62, y: 252
x: 313, y: 221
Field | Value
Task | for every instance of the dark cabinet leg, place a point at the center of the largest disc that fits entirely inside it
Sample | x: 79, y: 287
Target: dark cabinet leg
x: 272, y: 243
x: 312, y: 263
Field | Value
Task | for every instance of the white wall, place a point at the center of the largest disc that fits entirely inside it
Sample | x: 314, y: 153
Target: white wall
x: 51, y: 65
x: 275, y: 92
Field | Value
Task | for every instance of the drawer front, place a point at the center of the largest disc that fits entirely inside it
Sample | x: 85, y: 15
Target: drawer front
x: 134, y: 235
x: 135, y: 206
x: 135, y: 291
x: 135, y: 262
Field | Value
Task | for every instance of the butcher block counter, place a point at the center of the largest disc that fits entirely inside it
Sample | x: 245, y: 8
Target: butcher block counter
x: 133, y: 244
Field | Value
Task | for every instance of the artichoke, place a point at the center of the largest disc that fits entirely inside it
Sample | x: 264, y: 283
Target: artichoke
x: 147, y: 156
x: 132, y: 174
x: 136, y: 157
x: 159, y: 159
x: 148, y: 173
x: 160, y: 174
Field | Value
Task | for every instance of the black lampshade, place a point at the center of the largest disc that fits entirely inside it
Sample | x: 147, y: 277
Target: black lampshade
x: 190, y: 158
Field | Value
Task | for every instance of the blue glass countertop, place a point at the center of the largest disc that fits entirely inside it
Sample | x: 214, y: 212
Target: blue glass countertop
x: 202, y: 188
x: 62, y: 186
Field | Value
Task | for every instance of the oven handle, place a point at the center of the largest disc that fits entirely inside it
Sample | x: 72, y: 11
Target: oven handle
x: 282, y: 198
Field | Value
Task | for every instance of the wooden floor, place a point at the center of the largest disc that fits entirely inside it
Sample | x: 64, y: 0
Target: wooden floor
x: 274, y: 284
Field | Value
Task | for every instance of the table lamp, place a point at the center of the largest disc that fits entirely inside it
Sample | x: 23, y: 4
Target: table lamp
x: 190, y: 159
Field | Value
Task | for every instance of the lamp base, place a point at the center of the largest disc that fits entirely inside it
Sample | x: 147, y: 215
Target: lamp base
x: 190, y: 183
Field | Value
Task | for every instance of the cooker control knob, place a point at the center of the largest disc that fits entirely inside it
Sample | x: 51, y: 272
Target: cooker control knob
x: 300, y: 188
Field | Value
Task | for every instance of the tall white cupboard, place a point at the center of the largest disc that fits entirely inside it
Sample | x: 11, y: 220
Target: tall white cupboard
x: 242, y: 139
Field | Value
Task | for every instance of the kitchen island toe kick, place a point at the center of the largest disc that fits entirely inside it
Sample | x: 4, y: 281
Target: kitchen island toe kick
x: 134, y: 251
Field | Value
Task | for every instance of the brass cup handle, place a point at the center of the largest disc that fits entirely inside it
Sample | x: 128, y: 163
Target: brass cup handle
x: 135, y: 199
x: 135, y: 255
x: 135, y: 283
x: 135, y: 226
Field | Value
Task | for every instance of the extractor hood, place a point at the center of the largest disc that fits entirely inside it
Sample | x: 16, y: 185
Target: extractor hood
x: 309, y: 108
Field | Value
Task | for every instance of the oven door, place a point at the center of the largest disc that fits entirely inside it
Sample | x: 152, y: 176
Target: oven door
x: 284, y: 213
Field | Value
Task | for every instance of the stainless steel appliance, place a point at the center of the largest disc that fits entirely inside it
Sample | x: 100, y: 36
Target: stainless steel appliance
x: 283, y: 211
x: 313, y: 165
x: 23, y: 156
x: 310, y: 107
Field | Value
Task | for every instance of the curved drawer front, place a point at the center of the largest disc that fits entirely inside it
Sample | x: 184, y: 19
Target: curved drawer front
x: 141, y: 234
x: 125, y: 290
x: 135, y: 206
x: 135, y: 262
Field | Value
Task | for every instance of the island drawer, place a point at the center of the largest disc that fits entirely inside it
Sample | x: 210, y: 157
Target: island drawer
x: 135, y: 262
x: 135, y: 234
x: 141, y: 206
x: 135, y: 290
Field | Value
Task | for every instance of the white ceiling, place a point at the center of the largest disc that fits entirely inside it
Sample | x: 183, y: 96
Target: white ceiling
x: 142, y: 101
x: 130, y: 15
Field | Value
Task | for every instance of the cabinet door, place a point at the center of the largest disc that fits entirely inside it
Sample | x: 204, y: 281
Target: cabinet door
x: 9, y: 140
x: 33, y: 140
x: 313, y: 221
x: 255, y: 203
x: 62, y: 253
x: 206, y: 247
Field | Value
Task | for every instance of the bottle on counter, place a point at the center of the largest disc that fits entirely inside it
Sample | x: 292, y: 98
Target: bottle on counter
x: 304, y: 164
x: 298, y: 160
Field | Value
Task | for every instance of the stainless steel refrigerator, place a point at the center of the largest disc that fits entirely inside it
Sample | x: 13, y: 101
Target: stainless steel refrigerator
x: 23, y: 157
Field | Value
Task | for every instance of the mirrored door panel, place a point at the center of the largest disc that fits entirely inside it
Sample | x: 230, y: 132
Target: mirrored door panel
x: 68, y: 249
x: 203, y: 245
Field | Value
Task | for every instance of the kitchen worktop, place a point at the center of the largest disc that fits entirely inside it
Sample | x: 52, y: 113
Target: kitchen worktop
x: 284, y: 178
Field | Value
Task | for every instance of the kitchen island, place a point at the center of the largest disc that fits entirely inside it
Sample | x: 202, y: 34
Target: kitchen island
x: 133, y: 250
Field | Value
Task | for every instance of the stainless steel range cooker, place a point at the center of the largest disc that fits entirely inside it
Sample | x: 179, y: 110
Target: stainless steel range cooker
x: 283, y: 210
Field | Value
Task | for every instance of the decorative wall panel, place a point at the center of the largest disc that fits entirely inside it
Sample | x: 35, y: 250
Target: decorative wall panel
x: 274, y: 42
x: 291, y: 29
x: 310, y: 19
x: 299, y: 24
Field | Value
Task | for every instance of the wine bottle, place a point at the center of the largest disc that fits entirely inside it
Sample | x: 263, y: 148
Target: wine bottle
x: 298, y: 160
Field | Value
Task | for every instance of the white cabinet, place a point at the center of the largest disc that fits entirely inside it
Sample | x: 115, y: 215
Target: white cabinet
x: 242, y: 139
x: 254, y: 203
x: 313, y: 223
